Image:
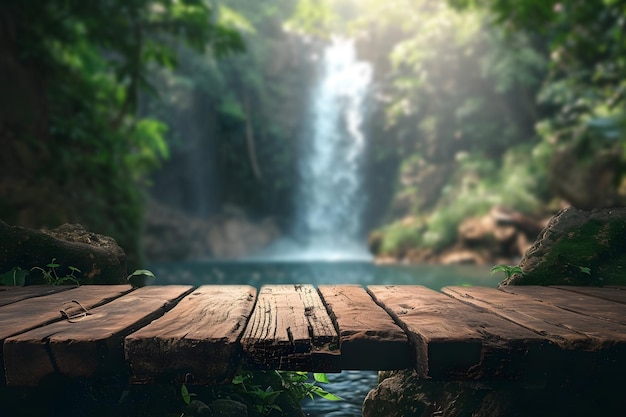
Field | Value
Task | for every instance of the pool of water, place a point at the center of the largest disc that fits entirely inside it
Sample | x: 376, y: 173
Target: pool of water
x: 352, y: 386
x: 317, y: 273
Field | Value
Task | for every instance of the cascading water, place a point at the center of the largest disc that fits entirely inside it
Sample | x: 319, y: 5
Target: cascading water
x: 331, y: 199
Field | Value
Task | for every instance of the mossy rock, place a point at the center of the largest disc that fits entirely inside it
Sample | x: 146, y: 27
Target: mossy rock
x: 577, y: 248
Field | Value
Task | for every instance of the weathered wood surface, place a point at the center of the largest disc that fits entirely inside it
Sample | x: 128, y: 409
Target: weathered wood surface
x: 452, y: 339
x: 617, y: 294
x: 369, y: 338
x: 198, y: 340
x: 33, y: 312
x: 586, y: 344
x: 22, y: 293
x: 576, y: 302
x: 290, y: 330
x: 83, y: 346
x: 568, y: 329
x: 461, y: 332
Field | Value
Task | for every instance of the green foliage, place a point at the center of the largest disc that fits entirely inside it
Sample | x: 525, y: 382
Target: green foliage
x: 51, y: 276
x: 262, y: 398
x: 15, y: 277
x: 585, y: 83
x: 313, y: 17
x: 242, y: 113
x: 294, y: 384
x: 298, y: 385
x: 399, y: 237
x: 185, y: 394
x: 460, y: 108
x: 508, y: 270
x: 270, y: 392
x: 88, y: 63
x: 138, y: 277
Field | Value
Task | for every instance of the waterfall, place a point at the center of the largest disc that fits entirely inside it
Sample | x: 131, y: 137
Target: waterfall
x: 330, y: 198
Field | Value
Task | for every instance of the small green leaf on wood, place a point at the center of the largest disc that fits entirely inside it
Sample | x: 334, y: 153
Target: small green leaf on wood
x: 142, y: 272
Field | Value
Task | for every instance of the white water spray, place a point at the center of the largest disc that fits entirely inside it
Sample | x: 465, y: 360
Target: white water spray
x: 330, y: 199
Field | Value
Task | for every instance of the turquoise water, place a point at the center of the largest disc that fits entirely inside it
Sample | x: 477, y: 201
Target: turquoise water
x: 352, y: 386
x: 316, y: 273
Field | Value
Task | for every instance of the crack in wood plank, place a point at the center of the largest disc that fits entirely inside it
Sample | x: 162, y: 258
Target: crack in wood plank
x: 290, y: 329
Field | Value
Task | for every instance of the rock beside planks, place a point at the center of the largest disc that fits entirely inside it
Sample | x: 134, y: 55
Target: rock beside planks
x: 99, y: 258
x: 404, y: 393
x: 577, y: 248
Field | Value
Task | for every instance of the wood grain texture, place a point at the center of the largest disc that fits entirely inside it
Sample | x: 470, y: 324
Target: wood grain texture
x: 291, y: 330
x: 22, y: 293
x: 529, y: 333
x: 538, y: 318
x: 576, y: 302
x: 82, y: 348
x: 616, y: 294
x: 369, y: 338
x: 27, y: 314
x: 586, y: 344
x: 196, y: 341
x: 452, y: 339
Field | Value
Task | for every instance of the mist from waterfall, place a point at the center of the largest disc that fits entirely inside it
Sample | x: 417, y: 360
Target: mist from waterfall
x: 330, y: 199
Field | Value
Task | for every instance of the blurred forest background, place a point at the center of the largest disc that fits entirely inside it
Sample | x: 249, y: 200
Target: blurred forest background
x: 477, y: 106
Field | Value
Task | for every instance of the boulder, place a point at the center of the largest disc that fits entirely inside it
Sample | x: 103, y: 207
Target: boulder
x: 225, y: 407
x: 587, y: 179
x: 577, y: 247
x: 99, y: 258
x: 405, y: 394
x: 502, y: 232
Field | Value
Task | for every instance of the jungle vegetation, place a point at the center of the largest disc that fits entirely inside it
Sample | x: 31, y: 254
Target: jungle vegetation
x: 478, y: 103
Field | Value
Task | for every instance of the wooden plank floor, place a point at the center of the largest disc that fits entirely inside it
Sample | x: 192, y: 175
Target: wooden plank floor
x: 204, y: 334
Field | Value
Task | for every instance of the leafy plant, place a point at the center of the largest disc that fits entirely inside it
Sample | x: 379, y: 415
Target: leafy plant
x: 508, y: 270
x: 51, y: 276
x: 298, y: 383
x: 265, y: 388
x: 185, y: 394
x: 138, y: 278
x: 15, y: 277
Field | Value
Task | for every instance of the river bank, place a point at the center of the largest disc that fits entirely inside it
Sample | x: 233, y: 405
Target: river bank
x: 501, y: 236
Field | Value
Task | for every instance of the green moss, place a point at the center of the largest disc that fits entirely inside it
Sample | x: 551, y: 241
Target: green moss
x: 589, y: 255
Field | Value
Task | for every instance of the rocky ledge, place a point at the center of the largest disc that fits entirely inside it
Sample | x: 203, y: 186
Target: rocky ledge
x: 577, y: 247
x: 501, y: 236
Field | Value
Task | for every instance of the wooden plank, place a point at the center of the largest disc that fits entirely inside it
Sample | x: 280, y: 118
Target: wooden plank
x: 568, y: 329
x: 84, y: 347
x: 31, y: 291
x: 291, y: 330
x: 452, y: 339
x: 369, y: 338
x: 27, y: 314
x: 585, y: 344
x: 196, y: 341
x: 608, y: 293
x: 585, y: 305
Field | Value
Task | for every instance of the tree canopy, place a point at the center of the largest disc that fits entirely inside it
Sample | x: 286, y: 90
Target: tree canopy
x: 477, y: 103
x: 74, y: 71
